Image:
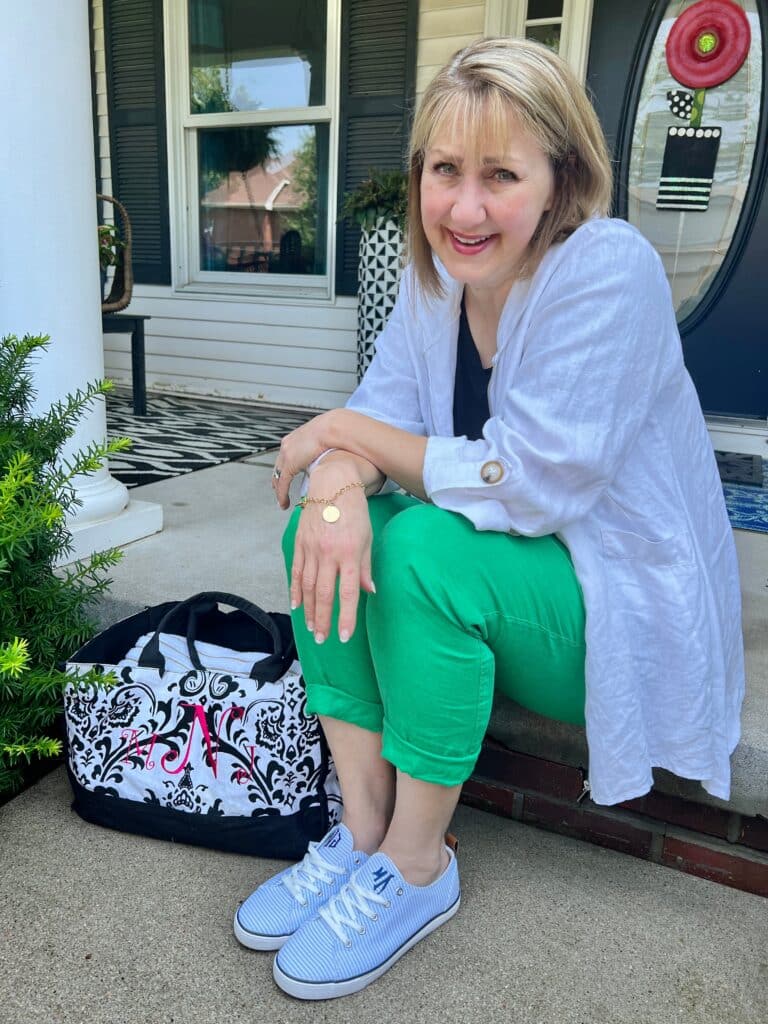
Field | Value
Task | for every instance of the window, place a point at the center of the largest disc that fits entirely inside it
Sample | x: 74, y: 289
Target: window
x: 255, y: 123
x: 544, y: 22
x: 563, y: 25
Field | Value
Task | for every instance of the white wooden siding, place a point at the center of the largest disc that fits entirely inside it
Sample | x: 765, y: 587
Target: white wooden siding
x: 444, y: 27
x: 104, y: 170
x: 251, y: 350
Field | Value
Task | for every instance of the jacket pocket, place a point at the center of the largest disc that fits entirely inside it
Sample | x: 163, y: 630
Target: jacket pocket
x: 675, y: 550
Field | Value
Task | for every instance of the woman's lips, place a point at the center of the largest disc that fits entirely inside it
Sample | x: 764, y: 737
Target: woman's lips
x: 469, y: 245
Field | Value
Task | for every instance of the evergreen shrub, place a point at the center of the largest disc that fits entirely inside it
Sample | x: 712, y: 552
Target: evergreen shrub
x: 45, y: 606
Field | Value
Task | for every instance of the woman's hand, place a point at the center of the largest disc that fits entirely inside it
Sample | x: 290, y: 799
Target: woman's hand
x: 325, y: 551
x: 297, y: 450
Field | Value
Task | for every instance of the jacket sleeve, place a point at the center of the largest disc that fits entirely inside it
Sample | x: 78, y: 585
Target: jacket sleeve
x: 389, y: 390
x: 600, y: 344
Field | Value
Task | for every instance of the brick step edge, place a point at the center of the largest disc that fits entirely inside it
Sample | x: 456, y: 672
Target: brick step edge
x: 724, y: 847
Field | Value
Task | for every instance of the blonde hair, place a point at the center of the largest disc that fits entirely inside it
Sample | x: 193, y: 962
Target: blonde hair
x: 486, y: 84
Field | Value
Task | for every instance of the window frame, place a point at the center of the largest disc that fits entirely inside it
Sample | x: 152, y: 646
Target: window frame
x: 182, y: 129
x: 510, y: 18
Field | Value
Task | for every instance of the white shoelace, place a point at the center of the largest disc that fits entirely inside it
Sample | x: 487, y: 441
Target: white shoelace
x: 308, y: 872
x: 342, y: 911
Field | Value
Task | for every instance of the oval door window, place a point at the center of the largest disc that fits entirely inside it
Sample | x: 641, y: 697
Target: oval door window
x: 693, y: 143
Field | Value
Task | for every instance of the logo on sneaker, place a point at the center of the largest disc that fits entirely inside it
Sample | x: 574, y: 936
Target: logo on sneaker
x: 333, y: 839
x: 382, y: 878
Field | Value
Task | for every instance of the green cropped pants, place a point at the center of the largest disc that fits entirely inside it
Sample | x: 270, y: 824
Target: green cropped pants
x: 457, y: 612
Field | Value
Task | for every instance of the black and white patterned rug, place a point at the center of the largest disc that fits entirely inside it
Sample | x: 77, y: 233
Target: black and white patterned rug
x: 181, y: 434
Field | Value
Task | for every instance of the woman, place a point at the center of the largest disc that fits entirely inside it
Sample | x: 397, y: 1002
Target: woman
x: 563, y: 536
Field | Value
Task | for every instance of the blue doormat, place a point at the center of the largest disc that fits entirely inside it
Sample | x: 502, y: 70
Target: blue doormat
x: 747, y: 504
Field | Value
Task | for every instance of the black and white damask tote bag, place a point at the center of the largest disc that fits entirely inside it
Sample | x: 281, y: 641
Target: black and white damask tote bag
x: 203, y: 738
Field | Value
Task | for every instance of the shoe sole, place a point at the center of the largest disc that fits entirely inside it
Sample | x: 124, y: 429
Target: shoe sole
x: 260, y: 942
x: 333, y: 989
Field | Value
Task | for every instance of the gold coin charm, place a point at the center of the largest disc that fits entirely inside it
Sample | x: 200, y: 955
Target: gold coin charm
x: 331, y: 514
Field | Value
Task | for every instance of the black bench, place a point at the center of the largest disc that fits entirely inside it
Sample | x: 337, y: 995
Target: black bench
x: 133, y: 324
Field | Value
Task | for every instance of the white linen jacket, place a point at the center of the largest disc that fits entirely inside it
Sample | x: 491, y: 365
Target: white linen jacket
x: 598, y: 437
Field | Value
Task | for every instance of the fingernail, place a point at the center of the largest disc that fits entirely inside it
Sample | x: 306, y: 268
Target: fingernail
x: 311, y: 627
x: 319, y: 638
x: 344, y: 635
x: 294, y: 606
x: 373, y: 587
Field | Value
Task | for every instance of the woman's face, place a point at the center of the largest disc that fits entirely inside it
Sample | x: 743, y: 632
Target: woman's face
x: 480, y: 211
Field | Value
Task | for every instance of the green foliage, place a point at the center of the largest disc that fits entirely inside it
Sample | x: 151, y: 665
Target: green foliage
x: 381, y: 194
x: 223, y: 150
x: 110, y: 244
x: 44, y: 610
x: 304, y: 220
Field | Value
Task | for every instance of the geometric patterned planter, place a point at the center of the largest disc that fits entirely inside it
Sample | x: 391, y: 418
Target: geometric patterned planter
x: 378, y: 275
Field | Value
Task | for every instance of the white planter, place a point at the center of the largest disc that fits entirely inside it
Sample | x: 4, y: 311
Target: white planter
x: 378, y: 275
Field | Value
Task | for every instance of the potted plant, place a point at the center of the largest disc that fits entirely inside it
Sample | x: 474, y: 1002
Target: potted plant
x: 110, y: 245
x: 378, y: 205
x: 115, y: 247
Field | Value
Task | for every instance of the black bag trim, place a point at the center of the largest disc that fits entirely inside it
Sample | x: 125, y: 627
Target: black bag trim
x: 282, y: 837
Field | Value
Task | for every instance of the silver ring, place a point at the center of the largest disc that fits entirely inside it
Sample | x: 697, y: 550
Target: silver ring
x: 276, y: 473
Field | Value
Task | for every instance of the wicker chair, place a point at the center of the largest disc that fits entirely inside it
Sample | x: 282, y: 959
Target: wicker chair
x: 122, y: 283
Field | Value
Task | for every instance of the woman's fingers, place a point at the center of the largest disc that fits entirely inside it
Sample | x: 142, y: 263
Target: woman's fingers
x: 325, y: 557
x: 325, y: 587
x: 297, y: 569
x: 281, y: 482
x: 298, y: 449
x: 366, y: 578
x: 308, y: 581
x: 349, y: 596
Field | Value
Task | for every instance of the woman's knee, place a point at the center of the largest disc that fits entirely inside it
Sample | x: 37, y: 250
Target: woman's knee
x: 413, y: 547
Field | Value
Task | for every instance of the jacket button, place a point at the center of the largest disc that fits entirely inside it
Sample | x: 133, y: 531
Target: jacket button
x: 491, y: 472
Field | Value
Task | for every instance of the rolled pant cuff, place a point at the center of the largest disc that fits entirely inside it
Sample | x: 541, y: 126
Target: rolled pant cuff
x: 425, y: 765
x: 325, y: 700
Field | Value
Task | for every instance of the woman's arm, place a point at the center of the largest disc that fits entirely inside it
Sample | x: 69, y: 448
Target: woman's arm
x: 374, y: 450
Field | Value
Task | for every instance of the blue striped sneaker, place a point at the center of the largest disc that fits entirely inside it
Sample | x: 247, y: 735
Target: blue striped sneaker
x: 281, y: 905
x: 361, y: 932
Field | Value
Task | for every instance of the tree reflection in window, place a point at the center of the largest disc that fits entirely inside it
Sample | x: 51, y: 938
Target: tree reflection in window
x: 257, y: 185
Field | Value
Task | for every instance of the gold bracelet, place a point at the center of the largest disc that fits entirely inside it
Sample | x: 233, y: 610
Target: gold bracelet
x: 331, y: 513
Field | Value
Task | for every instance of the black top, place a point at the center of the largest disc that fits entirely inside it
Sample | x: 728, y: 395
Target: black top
x: 470, y: 389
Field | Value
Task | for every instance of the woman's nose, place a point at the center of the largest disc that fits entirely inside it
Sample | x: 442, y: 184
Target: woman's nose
x: 469, y: 204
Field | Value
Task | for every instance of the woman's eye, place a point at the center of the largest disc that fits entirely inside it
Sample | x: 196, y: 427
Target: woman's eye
x: 445, y: 168
x: 504, y: 175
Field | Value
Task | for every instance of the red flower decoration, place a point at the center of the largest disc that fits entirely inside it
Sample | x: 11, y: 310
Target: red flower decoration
x: 708, y: 43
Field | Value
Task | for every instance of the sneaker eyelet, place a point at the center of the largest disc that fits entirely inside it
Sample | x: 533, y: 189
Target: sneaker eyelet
x: 348, y: 944
x: 361, y: 930
x: 357, y: 860
x: 375, y: 917
x: 399, y: 892
x: 388, y: 904
x: 305, y: 903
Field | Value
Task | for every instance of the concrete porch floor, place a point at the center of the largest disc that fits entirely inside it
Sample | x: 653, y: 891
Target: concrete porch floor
x: 104, y: 928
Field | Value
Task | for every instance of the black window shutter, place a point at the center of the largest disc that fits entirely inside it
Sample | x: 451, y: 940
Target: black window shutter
x: 378, y: 74
x: 133, y: 35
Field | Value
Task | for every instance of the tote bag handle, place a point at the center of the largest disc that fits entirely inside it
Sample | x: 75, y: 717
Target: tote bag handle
x: 192, y: 609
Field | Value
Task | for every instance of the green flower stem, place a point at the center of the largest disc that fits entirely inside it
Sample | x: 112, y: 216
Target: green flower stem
x: 698, y: 107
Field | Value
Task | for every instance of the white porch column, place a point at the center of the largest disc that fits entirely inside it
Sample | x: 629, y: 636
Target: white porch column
x: 49, y: 267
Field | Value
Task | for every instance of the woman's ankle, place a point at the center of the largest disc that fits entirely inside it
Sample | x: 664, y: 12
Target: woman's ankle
x: 420, y: 866
x: 367, y: 833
